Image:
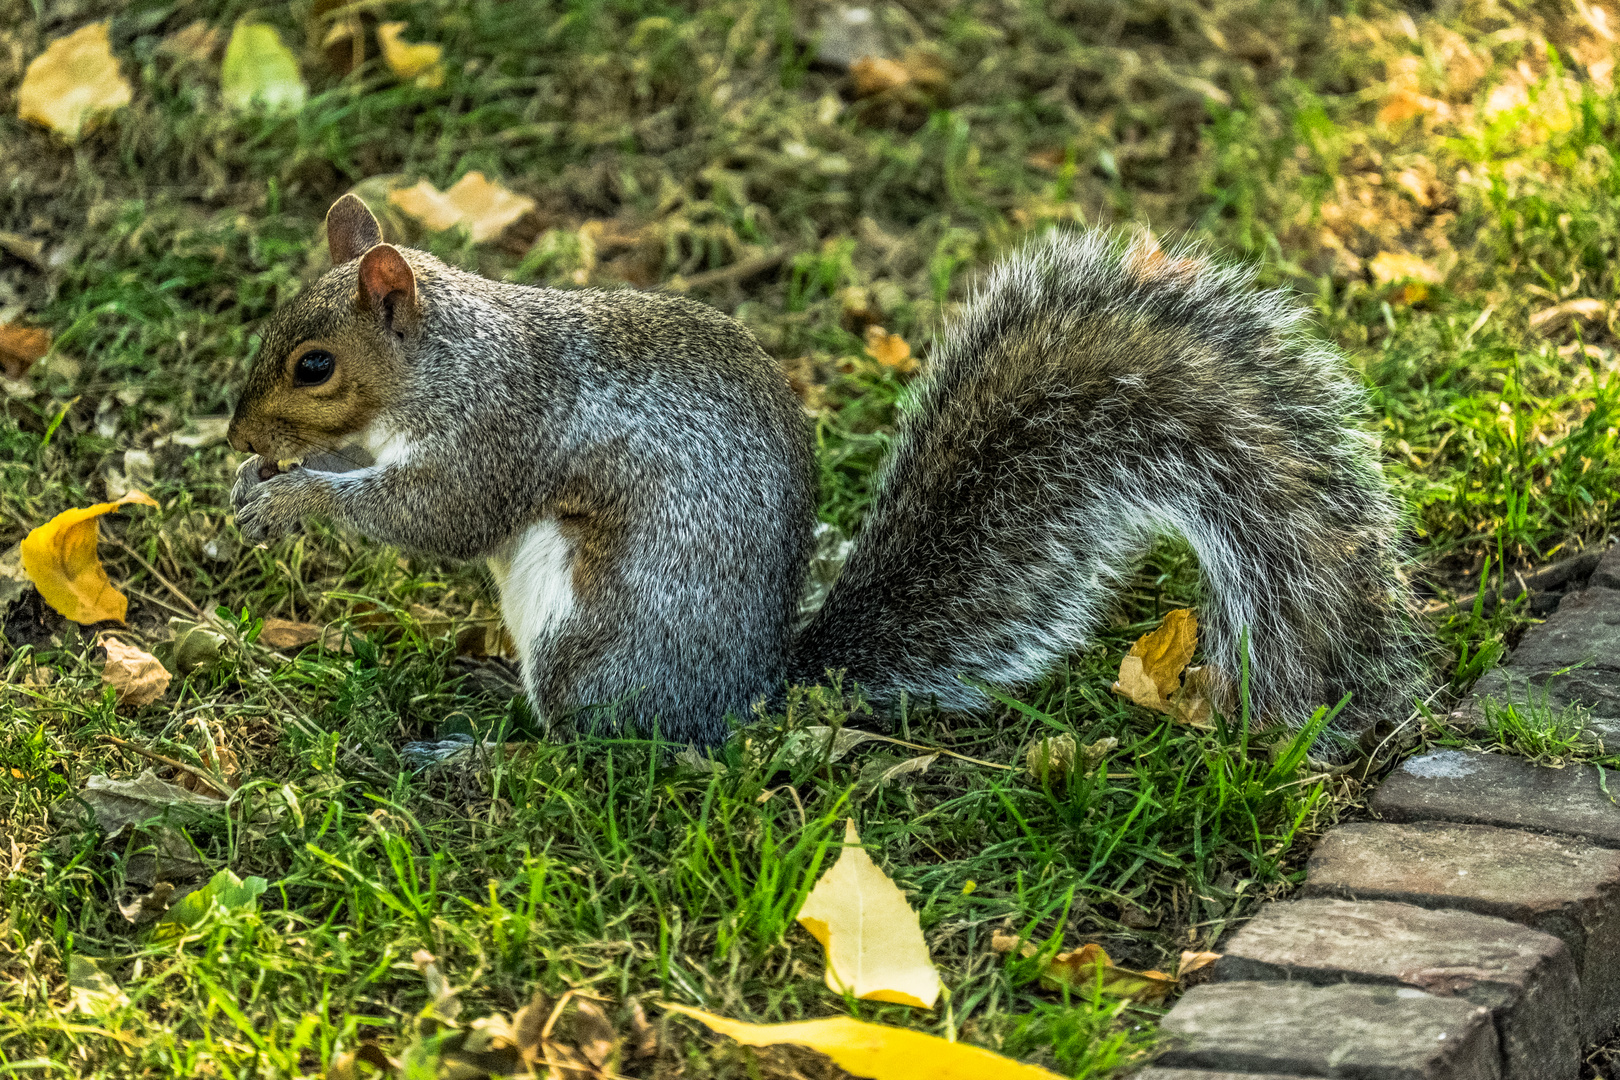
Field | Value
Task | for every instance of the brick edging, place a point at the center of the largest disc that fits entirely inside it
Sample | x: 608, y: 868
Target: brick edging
x: 1471, y: 933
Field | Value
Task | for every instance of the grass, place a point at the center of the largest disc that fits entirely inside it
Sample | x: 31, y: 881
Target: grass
x: 1439, y: 189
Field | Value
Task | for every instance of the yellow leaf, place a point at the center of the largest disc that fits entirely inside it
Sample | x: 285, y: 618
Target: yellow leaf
x: 1089, y: 966
x: 1195, y: 961
x: 286, y: 634
x: 410, y: 61
x: 485, y: 209
x: 876, y: 1050
x: 135, y: 674
x: 891, y: 350
x: 1390, y: 266
x: 59, y: 557
x: 875, y: 74
x: 874, y: 944
x: 259, y: 71
x: 75, y: 78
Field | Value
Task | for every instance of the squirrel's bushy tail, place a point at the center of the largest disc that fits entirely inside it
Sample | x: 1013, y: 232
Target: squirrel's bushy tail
x: 1094, y: 396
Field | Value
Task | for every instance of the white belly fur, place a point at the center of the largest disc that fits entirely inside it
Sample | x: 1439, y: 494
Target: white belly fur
x: 536, y: 579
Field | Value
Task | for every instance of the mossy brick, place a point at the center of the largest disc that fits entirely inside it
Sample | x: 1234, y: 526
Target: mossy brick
x: 1351, y: 1031
x: 1571, y: 660
x: 1495, y: 789
x: 1559, y: 886
x: 1525, y: 977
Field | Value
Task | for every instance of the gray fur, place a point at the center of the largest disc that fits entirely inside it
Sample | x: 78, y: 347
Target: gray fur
x: 1090, y: 400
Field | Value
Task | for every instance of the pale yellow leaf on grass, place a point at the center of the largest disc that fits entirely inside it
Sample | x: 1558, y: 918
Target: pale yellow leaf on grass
x: 1089, y: 967
x: 1195, y: 961
x: 874, y: 944
x: 409, y: 60
x: 1585, y: 307
x: 876, y: 1051
x: 73, y: 80
x: 259, y: 71
x: 484, y: 208
x: 1392, y: 266
x: 134, y: 674
x: 59, y: 557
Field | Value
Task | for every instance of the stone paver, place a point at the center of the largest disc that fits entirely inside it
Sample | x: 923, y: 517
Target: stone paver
x: 1525, y: 977
x: 1349, y: 1031
x: 1562, y: 887
x: 1571, y: 659
x: 1498, y: 789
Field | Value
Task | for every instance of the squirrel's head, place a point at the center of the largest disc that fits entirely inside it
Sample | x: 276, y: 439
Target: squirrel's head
x: 333, y: 358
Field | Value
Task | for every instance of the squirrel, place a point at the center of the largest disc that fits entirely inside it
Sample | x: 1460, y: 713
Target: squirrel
x: 641, y: 480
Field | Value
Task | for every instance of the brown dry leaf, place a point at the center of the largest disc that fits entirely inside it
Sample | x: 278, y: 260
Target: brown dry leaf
x: 59, y: 557
x: 890, y: 350
x: 409, y: 60
x: 1195, y: 961
x: 20, y: 348
x: 286, y: 634
x: 876, y: 1050
x: 1203, y: 686
x: 1584, y: 308
x: 643, y: 1035
x: 75, y: 79
x: 875, y: 74
x: 593, y: 1032
x: 1150, y: 673
x: 134, y: 674
x: 484, y: 208
x: 874, y: 944
x: 1089, y: 966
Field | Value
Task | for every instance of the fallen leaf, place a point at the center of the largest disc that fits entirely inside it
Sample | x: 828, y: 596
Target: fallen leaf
x: 884, y: 770
x: 74, y: 80
x: 876, y: 1050
x: 593, y: 1032
x: 140, y: 908
x: 1089, y: 966
x: 1585, y: 307
x: 90, y: 989
x: 20, y: 348
x: 1203, y: 686
x: 59, y: 557
x: 153, y: 807
x: 1195, y: 961
x: 1051, y: 760
x: 876, y: 74
x: 1391, y: 266
x: 818, y: 744
x: 485, y: 209
x: 134, y: 674
x: 1151, y: 672
x: 210, y: 431
x: 197, y: 42
x: 195, y: 645
x: 286, y: 634
x: 891, y: 350
x: 874, y: 943
x: 259, y: 71
x: 410, y: 61
x: 345, y: 1065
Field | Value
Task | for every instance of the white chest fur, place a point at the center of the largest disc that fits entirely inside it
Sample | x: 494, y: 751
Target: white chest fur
x: 385, y: 445
x: 536, y: 579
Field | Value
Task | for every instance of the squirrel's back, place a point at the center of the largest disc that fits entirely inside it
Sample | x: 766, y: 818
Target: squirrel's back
x: 1093, y: 397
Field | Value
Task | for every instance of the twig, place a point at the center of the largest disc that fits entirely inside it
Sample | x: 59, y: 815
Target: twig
x: 735, y: 272
x: 165, y: 582
x: 169, y: 761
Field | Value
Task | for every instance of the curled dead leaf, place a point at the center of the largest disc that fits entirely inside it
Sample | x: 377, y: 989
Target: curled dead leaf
x: 74, y: 80
x: 286, y: 634
x: 1585, y: 307
x: 1089, y: 966
x: 1151, y: 672
x: 136, y: 676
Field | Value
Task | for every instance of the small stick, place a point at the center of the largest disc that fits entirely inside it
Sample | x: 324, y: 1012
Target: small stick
x: 165, y: 582
x: 169, y: 761
x: 735, y: 272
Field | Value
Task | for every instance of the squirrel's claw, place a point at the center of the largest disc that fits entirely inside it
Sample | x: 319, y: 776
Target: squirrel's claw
x: 269, y: 509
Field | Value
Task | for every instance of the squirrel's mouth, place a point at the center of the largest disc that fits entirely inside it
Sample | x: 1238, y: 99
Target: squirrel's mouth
x: 275, y: 468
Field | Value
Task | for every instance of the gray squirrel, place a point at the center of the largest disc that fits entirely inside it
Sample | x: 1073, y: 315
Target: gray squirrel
x: 641, y: 480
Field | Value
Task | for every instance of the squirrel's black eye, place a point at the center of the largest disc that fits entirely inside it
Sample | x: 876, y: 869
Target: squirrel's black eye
x: 313, y: 368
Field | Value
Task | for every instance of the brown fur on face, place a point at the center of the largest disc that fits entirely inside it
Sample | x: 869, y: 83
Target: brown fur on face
x: 278, y: 419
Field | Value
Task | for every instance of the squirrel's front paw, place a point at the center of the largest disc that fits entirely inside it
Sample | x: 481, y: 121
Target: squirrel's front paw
x: 270, y: 509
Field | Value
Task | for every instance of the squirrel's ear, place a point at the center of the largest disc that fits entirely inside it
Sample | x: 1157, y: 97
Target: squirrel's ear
x: 388, y: 286
x: 351, y: 231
